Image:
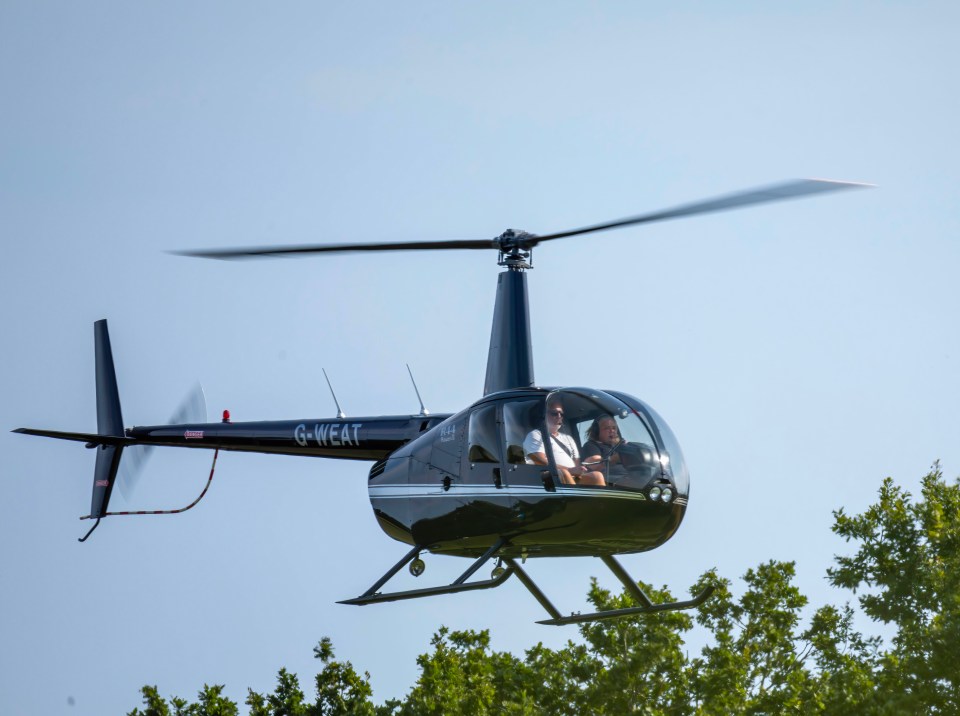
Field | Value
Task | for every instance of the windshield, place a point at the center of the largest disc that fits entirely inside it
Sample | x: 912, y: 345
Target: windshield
x: 622, y: 438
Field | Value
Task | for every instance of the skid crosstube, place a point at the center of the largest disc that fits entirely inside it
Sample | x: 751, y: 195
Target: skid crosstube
x: 372, y: 596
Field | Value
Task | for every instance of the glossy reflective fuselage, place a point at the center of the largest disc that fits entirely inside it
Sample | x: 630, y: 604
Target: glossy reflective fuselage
x: 445, y: 494
x: 456, y: 484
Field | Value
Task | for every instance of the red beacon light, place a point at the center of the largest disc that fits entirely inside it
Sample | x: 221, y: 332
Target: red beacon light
x: 226, y: 416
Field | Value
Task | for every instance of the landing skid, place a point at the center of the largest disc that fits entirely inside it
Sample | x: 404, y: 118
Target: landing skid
x: 372, y: 596
x: 460, y: 584
x: 646, y: 606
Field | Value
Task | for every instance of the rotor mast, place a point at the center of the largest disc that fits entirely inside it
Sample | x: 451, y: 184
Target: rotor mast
x: 510, y: 357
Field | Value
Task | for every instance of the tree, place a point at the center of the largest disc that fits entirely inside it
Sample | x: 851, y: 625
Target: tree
x: 154, y: 703
x: 756, y: 663
x: 908, y: 565
x: 463, y: 676
x: 634, y: 665
x: 286, y: 699
x: 341, y: 691
x: 845, y: 663
x: 210, y: 702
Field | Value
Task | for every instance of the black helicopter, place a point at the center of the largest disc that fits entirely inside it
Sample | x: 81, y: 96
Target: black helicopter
x: 481, y: 483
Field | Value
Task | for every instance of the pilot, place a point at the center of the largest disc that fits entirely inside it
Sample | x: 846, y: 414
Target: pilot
x: 603, y: 441
x: 564, y: 450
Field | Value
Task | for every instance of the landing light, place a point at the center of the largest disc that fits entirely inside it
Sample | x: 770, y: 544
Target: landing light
x: 667, y: 494
x: 654, y: 493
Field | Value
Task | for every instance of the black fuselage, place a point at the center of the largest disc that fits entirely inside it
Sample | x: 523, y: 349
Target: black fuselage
x: 455, y: 484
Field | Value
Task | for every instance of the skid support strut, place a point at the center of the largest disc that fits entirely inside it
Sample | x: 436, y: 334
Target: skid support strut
x: 646, y: 606
x: 460, y: 584
x: 372, y: 596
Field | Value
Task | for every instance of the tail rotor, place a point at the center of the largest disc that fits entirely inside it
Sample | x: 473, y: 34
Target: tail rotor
x: 192, y: 409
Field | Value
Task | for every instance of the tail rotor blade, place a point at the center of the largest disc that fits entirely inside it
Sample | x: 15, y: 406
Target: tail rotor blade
x: 192, y: 409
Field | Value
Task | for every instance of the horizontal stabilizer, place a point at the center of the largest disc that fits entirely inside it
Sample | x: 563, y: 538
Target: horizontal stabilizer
x: 91, y: 438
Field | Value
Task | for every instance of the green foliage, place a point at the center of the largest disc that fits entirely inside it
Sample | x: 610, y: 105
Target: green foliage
x: 635, y: 665
x: 908, y: 568
x: 844, y: 663
x: 286, y: 699
x: 756, y: 663
x: 154, y: 704
x: 559, y: 680
x: 759, y: 658
x: 340, y: 689
x: 210, y: 702
x: 463, y: 676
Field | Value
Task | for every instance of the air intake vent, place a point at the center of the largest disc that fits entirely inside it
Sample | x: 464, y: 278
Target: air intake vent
x: 377, y: 469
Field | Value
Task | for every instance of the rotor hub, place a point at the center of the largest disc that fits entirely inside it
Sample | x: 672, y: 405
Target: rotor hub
x: 516, y: 249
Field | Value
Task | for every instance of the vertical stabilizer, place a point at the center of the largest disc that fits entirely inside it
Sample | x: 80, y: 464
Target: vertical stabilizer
x: 109, y: 421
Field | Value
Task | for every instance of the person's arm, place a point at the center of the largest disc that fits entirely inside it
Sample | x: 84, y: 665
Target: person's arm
x: 579, y: 470
x: 595, y: 456
x: 538, y: 458
x: 533, y: 448
x: 591, y: 468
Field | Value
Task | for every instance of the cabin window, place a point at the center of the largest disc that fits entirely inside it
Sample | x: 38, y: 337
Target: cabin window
x: 483, y: 439
x: 519, y: 419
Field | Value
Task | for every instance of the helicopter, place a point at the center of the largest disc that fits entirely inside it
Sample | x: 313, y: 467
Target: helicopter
x: 482, y: 483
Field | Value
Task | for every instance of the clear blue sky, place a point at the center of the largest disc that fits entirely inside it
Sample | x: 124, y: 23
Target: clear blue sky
x: 801, y: 351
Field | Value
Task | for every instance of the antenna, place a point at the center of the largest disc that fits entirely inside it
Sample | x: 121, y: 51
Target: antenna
x: 340, y: 413
x: 423, y: 411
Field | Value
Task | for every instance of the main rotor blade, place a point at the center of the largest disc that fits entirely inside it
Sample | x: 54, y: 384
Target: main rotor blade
x: 775, y: 192
x: 261, y: 251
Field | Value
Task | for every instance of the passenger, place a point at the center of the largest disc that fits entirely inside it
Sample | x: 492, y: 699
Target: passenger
x: 603, y: 442
x: 564, y: 449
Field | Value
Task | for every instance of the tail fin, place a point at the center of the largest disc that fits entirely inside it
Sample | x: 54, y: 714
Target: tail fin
x: 109, y: 422
x: 110, y: 438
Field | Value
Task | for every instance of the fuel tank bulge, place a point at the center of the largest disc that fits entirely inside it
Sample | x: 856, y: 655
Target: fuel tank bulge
x: 425, y: 467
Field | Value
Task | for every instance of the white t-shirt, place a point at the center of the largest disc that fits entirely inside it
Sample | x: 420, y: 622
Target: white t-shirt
x: 534, y: 443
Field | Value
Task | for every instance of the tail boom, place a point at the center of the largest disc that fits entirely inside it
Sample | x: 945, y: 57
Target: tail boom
x: 365, y: 438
